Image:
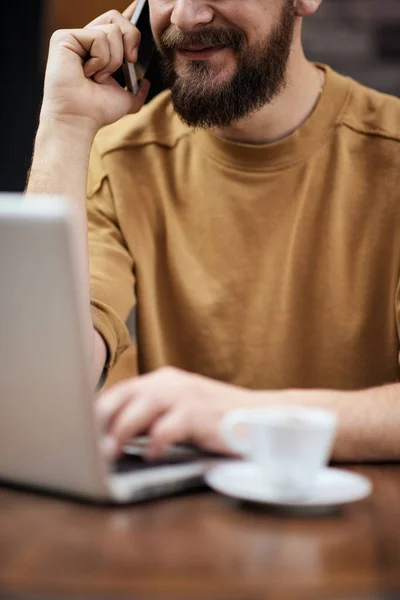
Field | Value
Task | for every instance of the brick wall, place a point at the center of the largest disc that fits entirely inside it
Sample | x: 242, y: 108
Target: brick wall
x: 360, y: 38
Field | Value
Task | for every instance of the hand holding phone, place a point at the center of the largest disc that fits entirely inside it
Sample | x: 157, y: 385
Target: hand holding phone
x: 133, y: 73
x: 79, y: 69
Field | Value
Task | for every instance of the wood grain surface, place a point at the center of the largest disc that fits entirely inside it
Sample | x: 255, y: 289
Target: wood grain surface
x: 200, y: 545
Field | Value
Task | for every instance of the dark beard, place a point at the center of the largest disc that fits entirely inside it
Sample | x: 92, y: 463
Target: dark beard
x: 259, y: 76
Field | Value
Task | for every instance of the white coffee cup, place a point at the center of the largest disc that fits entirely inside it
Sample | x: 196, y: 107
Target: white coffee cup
x: 291, y: 444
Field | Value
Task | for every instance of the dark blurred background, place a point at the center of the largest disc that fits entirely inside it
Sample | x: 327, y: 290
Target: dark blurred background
x: 360, y: 38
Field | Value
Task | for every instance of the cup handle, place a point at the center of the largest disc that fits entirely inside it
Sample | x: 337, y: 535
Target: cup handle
x: 227, y: 430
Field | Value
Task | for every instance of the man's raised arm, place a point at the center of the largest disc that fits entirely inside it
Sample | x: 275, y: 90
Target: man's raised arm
x: 80, y: 97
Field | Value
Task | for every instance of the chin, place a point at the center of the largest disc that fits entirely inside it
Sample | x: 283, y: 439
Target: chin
x: 210, y: 82
x: 222, y: 63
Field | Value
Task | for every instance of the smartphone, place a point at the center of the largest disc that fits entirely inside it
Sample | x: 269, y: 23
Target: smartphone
x: 133, y: 73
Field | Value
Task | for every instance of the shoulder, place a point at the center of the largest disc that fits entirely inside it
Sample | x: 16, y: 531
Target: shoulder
x: 372, y: 113
x: 156, y: 123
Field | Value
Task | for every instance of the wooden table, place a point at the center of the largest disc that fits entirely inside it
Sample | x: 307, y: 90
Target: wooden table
x: 200, y: 546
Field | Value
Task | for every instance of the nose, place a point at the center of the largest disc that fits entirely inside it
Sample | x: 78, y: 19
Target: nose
x: 189, y: 14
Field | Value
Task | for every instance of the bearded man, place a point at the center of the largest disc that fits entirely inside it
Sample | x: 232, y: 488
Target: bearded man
x: 249, y: 212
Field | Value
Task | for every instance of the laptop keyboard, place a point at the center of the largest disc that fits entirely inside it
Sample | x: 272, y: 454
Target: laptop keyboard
x: 128, y: 463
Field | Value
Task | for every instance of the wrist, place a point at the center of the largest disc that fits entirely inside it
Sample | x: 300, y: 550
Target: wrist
x: 313, y: 397
x: 57, y: 141
x: 59, y: 129
x: 60, y: 158
x: 283, y: 397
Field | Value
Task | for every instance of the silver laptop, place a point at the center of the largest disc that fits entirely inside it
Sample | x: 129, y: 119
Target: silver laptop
x: 48, y: 433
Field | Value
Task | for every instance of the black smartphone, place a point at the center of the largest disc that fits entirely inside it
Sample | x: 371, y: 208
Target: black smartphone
x: 129, y: 75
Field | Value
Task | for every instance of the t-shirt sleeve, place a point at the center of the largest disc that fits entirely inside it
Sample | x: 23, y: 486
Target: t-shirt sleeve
x: 111, y: 265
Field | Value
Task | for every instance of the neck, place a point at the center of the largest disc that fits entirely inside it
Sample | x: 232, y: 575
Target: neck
x: 287, y: 111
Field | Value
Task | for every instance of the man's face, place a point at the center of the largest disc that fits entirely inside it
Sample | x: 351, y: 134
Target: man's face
x: 222, y: 59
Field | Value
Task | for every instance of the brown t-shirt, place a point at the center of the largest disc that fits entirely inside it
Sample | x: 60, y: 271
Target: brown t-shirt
x: 270, y: 266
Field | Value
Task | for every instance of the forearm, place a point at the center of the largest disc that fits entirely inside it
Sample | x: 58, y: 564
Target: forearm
x: 59, y: 166
x: 369, y: 420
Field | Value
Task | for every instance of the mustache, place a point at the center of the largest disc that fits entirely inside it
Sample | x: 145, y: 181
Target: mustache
x: 174, y: 39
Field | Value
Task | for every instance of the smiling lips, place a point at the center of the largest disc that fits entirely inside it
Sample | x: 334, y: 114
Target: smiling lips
x: 199, y: 52
x: 197, y: 48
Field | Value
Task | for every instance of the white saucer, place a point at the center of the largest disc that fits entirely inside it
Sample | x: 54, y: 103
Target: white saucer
x: 241, y: 479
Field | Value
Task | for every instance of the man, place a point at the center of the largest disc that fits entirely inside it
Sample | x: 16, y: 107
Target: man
x: 251, y: 212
